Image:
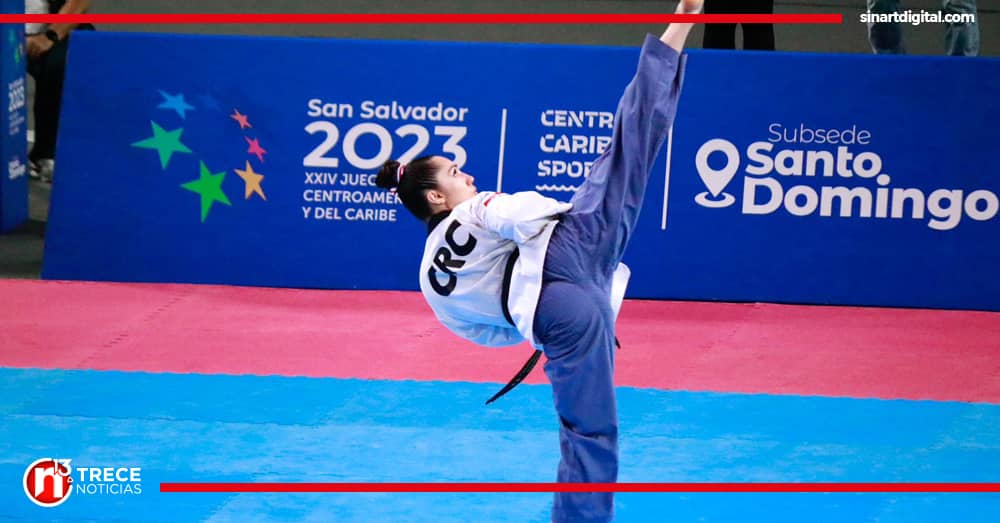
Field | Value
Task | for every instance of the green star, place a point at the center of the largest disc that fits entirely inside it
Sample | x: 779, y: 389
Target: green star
x: 209, y: 186
x: 165, y: 142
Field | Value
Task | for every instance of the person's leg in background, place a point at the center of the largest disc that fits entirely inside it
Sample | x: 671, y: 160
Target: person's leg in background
x: 758, y: 37
x: 961, y: 38
x: 49, y: 71
x: 885, y: 38
x: 720, y: 36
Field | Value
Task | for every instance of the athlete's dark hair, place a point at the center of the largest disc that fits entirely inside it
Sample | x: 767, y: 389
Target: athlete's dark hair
x: 411, y: 182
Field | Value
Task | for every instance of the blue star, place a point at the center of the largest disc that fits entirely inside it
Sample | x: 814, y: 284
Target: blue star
x: 209, y: 102
x: 176, y: 103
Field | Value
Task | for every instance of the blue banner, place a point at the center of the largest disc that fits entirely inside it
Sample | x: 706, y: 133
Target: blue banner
x: 13, y: 122
x: 787, y: 178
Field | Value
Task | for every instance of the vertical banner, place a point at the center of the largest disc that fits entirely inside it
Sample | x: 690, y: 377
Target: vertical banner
x: 14, y: 122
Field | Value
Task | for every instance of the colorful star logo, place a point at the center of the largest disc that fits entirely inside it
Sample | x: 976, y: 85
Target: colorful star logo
x: 176, y: 103
x: 210, y: 103
x: 165, y: 142
x: 241, y: 119
x: 255, y: 148
x: 15, y: 45
x: 209, y: 187
x: 252, y: 181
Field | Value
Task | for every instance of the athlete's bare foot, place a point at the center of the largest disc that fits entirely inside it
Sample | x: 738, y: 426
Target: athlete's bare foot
x: 677, y: 33
x: 690, y: 6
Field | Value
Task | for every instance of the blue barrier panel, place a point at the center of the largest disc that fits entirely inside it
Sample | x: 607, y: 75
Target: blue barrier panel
x: 13, y: 122
x: 791, y: 177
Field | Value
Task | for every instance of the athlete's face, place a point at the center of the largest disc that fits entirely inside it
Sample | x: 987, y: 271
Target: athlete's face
x: 454, y: 186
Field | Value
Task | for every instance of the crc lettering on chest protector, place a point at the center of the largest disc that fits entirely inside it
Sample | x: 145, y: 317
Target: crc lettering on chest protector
x: 833, y: 173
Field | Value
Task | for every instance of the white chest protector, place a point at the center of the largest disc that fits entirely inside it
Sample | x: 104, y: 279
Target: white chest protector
x: 467, y: 269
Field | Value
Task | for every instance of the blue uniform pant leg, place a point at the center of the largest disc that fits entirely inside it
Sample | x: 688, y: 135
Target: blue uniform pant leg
x: 607, y: 204
x: 574, y: 321
x: 576, y: 324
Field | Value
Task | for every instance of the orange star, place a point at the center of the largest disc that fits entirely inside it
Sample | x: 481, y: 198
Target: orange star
x: 252, y: 181
x: 241, y: 119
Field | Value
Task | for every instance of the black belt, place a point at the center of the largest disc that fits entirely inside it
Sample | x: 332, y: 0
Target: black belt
x: 519, y: 377
x: 533, y: 360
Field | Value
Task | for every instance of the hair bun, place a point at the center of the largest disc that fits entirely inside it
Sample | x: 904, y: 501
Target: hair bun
x: 386, y: 177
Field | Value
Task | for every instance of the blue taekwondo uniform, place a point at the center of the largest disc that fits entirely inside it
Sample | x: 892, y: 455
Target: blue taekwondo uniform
x: 499, y: 269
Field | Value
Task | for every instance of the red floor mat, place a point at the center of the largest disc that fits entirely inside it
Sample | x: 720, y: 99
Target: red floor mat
x: 753, y: 348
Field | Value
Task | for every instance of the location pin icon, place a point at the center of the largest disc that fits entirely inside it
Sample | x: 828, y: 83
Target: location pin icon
x: 717, y: 179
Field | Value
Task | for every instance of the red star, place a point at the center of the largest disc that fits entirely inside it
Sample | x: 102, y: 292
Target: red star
x: 255, y: 148
x: 241, y: 118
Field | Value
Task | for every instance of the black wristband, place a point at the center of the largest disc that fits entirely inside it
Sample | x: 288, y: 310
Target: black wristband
x: 52, y: 35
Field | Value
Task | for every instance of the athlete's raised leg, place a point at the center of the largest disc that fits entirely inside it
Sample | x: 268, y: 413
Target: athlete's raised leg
x: 574, y: 320
x: 606, y: 206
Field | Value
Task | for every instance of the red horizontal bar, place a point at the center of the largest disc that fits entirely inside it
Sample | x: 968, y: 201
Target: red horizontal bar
x: 580, y: 487
x: 421, y: 18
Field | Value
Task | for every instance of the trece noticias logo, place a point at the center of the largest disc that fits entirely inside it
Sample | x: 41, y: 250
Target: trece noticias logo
x: 49, y: 482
